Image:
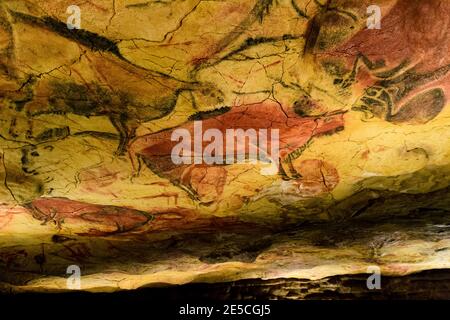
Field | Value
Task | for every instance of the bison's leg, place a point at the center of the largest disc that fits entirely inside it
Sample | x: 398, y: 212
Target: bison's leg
x: 362, y: 60
x: 119, y: 122
x: 287, y: 170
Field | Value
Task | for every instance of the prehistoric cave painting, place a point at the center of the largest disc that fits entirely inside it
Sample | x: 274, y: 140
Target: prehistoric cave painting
x: 5, y: 218
x: 78, y: 252
x: 8, y: 213
x: 403, y: 68
x: 124, y: 112
x: 126, y: 94
x: 328, y: 22
x: 318, y: 178
x: 295, y: 133
x: 100, y: 220
x: 395, y: 96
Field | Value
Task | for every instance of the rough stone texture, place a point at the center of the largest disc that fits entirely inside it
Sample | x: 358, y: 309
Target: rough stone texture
x: 86, y: 118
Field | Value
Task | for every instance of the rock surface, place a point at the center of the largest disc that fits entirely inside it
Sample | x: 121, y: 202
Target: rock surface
x: 87, y: 117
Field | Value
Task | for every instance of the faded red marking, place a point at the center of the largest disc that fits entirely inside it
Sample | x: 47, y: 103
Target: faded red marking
x: 185, y: 43
x: 185, y: 219
x: 207, y: 181
x: 168, y: 195
x: 268, y: 66
x: 5, y: 219
x: 97, y: 179
x: 318, y: 177
x: 96, y: 6
x: 7, y: 213
x: 294, y: 131
x: 233, y: 78
x: 79, y: 252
